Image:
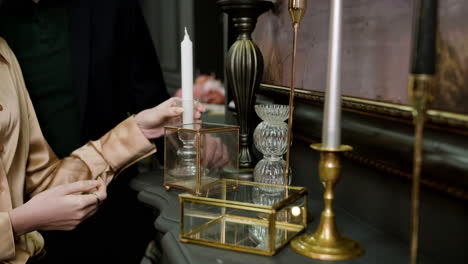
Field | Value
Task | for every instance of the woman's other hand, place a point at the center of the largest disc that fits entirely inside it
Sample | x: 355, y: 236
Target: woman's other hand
x: 216, y: 153
x: 59, y: 208
x: 152, y: 121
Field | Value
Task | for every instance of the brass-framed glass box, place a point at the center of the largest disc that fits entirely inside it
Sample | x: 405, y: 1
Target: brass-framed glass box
x: 198, y: 154
x: 244, y: 216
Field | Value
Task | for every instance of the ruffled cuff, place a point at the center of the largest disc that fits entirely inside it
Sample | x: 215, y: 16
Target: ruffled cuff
x: 7, y: 240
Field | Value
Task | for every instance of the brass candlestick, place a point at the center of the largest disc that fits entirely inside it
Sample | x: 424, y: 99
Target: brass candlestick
x: 420, y: 94
x: 296, y: 9
x: 420, y: 86
x: 326, y: 243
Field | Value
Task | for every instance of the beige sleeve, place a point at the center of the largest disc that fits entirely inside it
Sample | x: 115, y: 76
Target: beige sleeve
x: 7, y: 245
x: 105, y: 158
x: 119, y: 148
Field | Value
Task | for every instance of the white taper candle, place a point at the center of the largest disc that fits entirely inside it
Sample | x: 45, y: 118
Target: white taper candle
x: 186, y: 55
x: 331, y: 131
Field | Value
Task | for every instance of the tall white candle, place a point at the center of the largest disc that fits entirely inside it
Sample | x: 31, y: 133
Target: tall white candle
x: 186, y: 55
x: 331, y: 131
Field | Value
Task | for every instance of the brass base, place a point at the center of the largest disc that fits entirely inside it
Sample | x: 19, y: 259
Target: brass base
x: 326, y: 243
x: 313, y: 246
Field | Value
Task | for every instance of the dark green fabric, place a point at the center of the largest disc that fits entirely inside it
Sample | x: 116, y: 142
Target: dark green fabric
x: 38, y: 35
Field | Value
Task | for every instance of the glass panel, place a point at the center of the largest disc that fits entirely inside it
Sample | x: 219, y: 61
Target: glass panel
x: 198, y: 215
x: 238, y: 214
x: 290, y: 221
x: 199, y: 156
x: 249, y: 192
x: 219, y: 155
x: 222, y: 225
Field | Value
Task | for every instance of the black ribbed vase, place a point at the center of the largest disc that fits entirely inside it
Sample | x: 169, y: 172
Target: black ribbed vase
x: 244, y: 67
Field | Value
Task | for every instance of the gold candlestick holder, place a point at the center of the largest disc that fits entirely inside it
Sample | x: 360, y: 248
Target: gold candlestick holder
x: 326, y: 243
x: 420, y: 94
x: 296, y: 10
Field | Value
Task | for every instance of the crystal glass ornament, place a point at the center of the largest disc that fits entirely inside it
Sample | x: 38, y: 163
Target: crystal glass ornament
x: 270, y: 138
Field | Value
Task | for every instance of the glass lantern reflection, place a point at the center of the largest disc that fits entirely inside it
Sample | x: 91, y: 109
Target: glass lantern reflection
x: 198, y: 154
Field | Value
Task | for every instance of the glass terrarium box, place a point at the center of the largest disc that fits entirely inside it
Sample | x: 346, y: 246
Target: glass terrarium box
x: 244, y: 216
x: 198, y: 154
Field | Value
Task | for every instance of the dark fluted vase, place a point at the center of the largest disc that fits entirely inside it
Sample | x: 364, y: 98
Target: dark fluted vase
x: 244, y: 67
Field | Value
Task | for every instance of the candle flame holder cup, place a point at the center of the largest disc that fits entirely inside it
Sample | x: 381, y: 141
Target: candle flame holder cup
x: 198, y: 154
x: 326, y: 243
x: 186, y: 155
x: 296, y: 10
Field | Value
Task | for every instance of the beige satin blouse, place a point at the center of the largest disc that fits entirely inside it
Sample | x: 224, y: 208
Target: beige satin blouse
x: 28, y: 166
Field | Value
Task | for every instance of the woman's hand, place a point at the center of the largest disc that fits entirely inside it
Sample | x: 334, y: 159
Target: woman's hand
x: 59, y: 208
x: 100, y: 193
x: 152, y: 121
x: 216, y: 153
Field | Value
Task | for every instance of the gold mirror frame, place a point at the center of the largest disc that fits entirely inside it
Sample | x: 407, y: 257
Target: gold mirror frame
x: 438, y: 120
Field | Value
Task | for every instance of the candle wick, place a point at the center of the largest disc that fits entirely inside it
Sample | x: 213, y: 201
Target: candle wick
x: 186, y: 36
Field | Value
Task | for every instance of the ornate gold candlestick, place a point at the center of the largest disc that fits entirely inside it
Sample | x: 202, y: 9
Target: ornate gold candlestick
x: 420, y: 94
x: 326, y: 243
x: 296, y: 9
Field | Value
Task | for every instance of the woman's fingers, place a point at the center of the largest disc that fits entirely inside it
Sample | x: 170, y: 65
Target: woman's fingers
x: 76, y: 187
x: 174, y: 111
x: 84, y: 200
x: 210, y: 150
x: 91, y: 210
x: 68, y: 226
x: 59, y: 208
x: 201, y: 108
x: 216, y: 153
x: 101, y: 191
x: 223, y: 158
x: 152, y: 121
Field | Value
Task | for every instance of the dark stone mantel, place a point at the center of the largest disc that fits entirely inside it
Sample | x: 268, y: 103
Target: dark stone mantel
x: 380, y: 247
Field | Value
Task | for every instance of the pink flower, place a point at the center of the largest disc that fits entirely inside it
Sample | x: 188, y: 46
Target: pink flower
x: 207, y: 89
